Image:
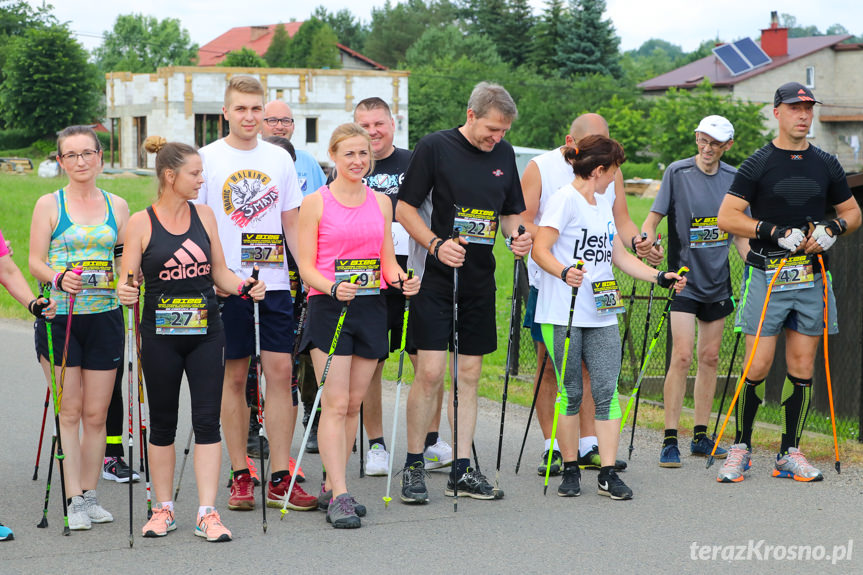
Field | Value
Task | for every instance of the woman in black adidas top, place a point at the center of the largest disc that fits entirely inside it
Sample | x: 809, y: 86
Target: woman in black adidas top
x: 175, y: 244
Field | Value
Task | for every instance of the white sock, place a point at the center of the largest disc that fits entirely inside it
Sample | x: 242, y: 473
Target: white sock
x: 585, y: 444
x: 204, y: 509
x: 548, y: 444
x: 169, y: 505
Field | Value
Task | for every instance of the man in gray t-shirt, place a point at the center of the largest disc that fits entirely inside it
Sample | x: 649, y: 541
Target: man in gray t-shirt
x: 691, y: 193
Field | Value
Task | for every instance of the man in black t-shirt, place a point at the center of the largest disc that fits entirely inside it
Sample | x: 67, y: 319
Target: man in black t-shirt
x: 463, y: 178
x: 794, y: 185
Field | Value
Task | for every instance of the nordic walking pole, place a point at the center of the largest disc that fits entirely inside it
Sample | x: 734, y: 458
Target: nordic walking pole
x: 130, y: 331
x: 656, y: 334
x: 42, y: 433
x: 837, y: 465
x: 387, y: 497
x: 183, y: 466
x: 260, y: 415
x: 725, y: 389
x: 455, y: 237
x: 578, y: 265
x: 743, y: 375
x: 142, y: 414
x: 629, y: 311
x: 362, y: 451
x: 643, y: 347
x: 532, y: 407
x: 317, y: 400
x: 513, y: 324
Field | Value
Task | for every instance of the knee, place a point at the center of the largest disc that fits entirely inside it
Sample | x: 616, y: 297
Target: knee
x: 681, y: 358
x: 709, y: 358
x: 429, y: 377
x: 93, y: 418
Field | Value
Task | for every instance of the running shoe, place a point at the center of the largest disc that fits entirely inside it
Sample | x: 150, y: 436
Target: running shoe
x: 292, y: 468
x: 704, y: 447
x: 414, y: 484
x: 299, y: 499
x: 160, y: 523
x: 115, y: 469
x: 253, y: 445
x: 473, y: 484
x: 610, y: 485
x: 737, y: 462
x: 591, y: 460
x: 96, y: 512
x: 377, y: 461
x: 242, y: 493
x: 556, y: 463
x: 79, y: 520
x: 437, y: 455
x: 669, y: 456
x: 210, y: 527
x: 571, y: 484
x: 6, y: 533
x: 253, y: 471
x: 327, y: 495
x: 793, y: 465
x: 341, y: 512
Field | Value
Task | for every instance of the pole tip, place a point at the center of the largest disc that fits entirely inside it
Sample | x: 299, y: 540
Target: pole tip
x: 387, y: 502
x: 709, y: 462
x: 283, y: 513
x: 838, y: 467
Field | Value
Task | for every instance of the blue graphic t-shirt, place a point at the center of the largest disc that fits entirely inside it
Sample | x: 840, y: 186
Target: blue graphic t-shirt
x: 309, y: 173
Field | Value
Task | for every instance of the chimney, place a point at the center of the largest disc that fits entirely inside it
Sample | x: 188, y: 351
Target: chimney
x: 258, y: 31
x: 774, y: 40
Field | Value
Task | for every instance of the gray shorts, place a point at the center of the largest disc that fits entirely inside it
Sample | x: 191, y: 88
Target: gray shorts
x: 800, y: 310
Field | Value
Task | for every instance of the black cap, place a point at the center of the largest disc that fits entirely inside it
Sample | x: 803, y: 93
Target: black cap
x: 791, y: 93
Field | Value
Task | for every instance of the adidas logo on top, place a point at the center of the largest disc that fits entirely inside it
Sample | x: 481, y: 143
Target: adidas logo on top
x: 189, y: 261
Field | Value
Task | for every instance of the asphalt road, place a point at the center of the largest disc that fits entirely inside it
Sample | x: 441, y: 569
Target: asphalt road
x: 680, y: 521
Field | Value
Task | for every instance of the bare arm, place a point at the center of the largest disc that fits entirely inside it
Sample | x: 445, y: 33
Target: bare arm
x: 634, y: 267
x: 733, y: 219
x: 545, y: 238
x: 520, y: 243
x: 391, y: 270
x: 449, y: 253
x: 850, y: 212
x: 531, y: 187
x: 135, y: 243
x: 622, y: 220
x: 742, y: 245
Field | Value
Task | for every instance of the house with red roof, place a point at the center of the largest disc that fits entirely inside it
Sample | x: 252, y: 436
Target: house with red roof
x: 827, y: 65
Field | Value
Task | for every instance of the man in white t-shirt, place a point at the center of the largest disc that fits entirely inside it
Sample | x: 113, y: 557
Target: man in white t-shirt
x: 544, y: 175
x: 252, y: 187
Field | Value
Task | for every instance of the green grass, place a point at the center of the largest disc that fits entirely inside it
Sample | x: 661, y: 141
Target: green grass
x: 20, y: 192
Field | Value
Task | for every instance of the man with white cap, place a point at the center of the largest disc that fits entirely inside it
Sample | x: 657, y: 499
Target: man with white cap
x: 690, y: 195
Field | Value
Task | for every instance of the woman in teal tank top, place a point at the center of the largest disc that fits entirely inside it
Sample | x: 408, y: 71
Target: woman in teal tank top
x: 81, y: 226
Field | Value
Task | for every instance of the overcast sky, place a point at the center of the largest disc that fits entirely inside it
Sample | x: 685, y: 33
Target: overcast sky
x: 682, y: 22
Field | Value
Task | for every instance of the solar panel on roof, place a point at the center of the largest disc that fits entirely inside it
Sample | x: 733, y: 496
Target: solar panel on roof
x: 732, y: 59
x: 752, y: 52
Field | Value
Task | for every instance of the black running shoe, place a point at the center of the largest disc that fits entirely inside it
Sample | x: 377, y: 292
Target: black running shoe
x: 571, y: 484
x: 414, y: 484
x: 473, y: 484
x: 312, y: 443
x: 613, y: 486
x: 115, y: 469
x: 253, y: 445
x: 591, y: 461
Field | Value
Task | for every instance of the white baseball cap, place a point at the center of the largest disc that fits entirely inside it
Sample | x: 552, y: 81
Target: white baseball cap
x: 716, y: 127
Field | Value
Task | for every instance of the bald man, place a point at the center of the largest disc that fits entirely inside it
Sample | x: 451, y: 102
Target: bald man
x: 544, y: 175
x: 279, y: 121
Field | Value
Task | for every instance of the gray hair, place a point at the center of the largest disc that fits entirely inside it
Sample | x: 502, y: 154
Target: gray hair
x: 487, y: 96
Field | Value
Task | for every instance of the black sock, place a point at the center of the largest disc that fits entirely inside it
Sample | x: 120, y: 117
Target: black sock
x: 461, y: 466
x: 796, y: 396
x: 698, y: 432
x: 570, y: 464
x: 605, y: 470
x: 379, y: 440
x: 68, y: 501
x: 239, y: 472
x: 431, y: 438
x: 747, y: 408
x: 670, y: 437
x: 278, y: 476
x: 413, y: 458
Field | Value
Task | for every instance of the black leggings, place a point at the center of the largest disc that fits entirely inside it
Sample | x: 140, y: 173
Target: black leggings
x: 165, y: 358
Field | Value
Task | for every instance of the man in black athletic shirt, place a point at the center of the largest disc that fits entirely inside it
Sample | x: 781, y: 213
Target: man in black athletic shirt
x: 793, y: 184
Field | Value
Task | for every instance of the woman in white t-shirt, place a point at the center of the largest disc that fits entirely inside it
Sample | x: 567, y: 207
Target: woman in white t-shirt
x: 578, y: 225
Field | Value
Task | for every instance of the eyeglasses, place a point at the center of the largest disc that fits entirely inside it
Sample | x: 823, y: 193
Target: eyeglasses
x: 72, y: 157
x: 713, y: 144
x: 273, y: 122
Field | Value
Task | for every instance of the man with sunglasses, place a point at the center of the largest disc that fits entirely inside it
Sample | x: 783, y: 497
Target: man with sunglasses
x: 691, y: 192
x: 279, y: 121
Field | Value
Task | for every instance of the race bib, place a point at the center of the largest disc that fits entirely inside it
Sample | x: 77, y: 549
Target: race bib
x: 795, y: 274
x: 475, y: 225
x: 265, y: 250
x: 97, y: 275
x: 606, y: 295
x: 367, y: 273
x: 181, y: 315
x: 400, y: 239
x: 704, y: 233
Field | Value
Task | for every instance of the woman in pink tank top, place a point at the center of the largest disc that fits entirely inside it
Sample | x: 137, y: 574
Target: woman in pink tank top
x: 346, y: 256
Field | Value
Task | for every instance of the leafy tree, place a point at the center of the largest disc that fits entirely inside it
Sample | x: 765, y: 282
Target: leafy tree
x: 277, y: 55
x: 323, y: 52
x: 49, y: 83
x: 443, y: 46
x: 653, y: 58
x: 546, y: 35
x: 395, y: 28
x: 245, y: 57
x: 508, y: 23
x: 589, y: 44
x: 140, y: 43
x: 350, y: 31
x: 16, y: 17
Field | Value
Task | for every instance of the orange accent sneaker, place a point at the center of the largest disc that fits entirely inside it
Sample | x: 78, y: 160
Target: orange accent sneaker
x: 253, y: 470
x: 242, y: 493
x: 292, y: 464
x: 210, y: 526
x: 160, y: 523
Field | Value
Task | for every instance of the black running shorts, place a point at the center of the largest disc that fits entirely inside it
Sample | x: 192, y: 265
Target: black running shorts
x: 431, y: 323
x: 363, y: 331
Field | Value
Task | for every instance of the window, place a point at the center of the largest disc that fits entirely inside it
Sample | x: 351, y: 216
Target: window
x: 311, y: 130
x: 810, y: 76
x: 209, y: 128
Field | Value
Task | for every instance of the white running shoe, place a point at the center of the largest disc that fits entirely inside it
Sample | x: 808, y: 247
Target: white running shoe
x: 377, y: 460
x: 79, y: 520
x: 437, y: 455
x: 96, y: 512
